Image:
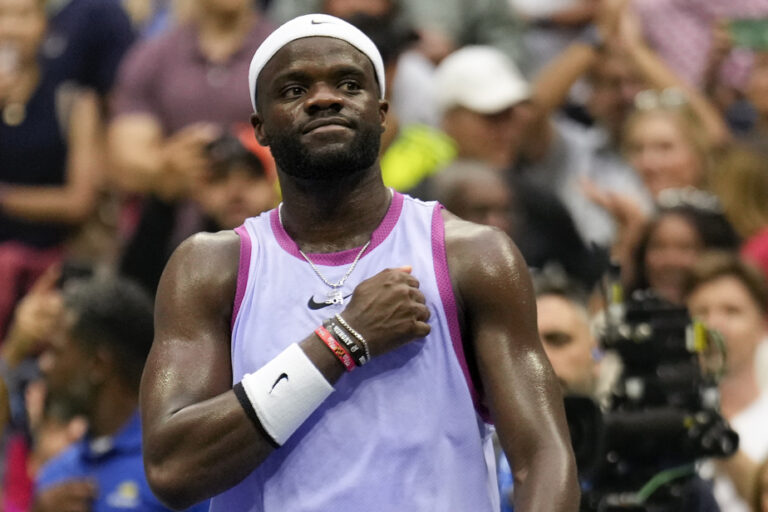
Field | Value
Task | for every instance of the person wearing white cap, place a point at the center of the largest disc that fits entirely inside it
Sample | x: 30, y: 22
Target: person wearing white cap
x: 479, y: 92
x: 347, y: 350
x: 481, y: 99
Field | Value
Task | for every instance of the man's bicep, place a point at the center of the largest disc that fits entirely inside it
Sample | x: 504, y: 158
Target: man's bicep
x: 190, y: 357
x: 520, y: 387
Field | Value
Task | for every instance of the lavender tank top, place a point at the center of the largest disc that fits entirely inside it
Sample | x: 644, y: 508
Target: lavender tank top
x: 400, y: 434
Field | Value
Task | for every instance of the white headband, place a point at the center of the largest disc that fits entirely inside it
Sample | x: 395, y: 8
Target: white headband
x: 312, y: 25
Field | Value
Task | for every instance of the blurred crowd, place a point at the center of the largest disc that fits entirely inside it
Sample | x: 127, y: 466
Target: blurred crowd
x: 598, y: 134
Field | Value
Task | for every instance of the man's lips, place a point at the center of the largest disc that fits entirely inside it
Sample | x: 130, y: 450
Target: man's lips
x: 326, y: 121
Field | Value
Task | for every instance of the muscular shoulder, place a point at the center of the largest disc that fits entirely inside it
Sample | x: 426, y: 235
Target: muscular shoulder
x: 478, y: 251
x: 204, y: 265
x: 486, y: 266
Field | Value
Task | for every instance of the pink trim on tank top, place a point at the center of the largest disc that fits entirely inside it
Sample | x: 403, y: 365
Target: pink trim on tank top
x: 242, y: 270
x: 343, y: 257
x: 445, y: 287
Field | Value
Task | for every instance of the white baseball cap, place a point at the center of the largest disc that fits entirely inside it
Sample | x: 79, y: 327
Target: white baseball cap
x: 481, y: 79
x: 312, y: 25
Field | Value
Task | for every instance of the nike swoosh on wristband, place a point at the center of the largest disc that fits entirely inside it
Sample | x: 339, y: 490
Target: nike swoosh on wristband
x: 281, y: 377
x: 311, y: 304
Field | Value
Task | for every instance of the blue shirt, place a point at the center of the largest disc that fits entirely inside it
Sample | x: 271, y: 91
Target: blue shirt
x: 506, y: 482
x: 115, y: 465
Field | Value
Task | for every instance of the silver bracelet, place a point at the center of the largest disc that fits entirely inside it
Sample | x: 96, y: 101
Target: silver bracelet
x: 355, y: 334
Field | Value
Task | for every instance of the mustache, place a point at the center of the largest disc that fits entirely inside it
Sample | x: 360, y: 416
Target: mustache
x: 326, y: 119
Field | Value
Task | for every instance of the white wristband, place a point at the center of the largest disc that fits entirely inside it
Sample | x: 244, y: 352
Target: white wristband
x: 285, y: 391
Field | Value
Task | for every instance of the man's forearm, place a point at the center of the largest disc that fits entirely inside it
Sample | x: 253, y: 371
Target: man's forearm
x: 549, y: 483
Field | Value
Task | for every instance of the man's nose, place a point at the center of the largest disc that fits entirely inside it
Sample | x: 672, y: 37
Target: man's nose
x: 323, y: 96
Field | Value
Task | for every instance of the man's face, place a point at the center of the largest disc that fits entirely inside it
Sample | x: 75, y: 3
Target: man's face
x: 235, y: 196
x: 673, y: 247
x: 22, y: 25
x: 568, y: 342
x: 490, y: 138
x: 319, y: 109
x: 67, y: 367
x: 661, y: 154
x: 614, y: 87
x: 725, y: 304
x: 484, y: 201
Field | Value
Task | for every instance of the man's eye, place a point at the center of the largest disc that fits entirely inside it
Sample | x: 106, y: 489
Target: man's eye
x: 293, y: 91
x: 556, y: 338
x: 350, y: 85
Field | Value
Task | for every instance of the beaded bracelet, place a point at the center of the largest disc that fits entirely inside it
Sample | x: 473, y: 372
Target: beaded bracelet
x: 355, y: 334
x: 339, y: 351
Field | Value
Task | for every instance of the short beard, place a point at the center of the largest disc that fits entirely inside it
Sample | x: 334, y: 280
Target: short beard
x: 295, y: 159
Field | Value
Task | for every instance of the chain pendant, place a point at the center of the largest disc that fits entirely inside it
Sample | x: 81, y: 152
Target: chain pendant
x: 335, y: 297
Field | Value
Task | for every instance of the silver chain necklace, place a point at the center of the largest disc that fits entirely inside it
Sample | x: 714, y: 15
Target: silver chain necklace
x: 335, y: 296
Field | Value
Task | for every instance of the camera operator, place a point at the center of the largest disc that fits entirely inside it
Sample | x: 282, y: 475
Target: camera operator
x: 731, y: 297
x: 572, y: 346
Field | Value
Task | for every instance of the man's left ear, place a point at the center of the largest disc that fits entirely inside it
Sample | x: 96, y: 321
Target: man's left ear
x: 258, y: 129
x: 102, y: 365
x: 383, y: 110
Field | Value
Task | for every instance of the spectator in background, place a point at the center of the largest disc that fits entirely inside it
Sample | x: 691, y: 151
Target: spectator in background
x: 565, y: 330
x: 756, y: 93
x: 681, y: 32
x: 444, y: 25
x: 550, y: 26
x: 236, y: 187
x: 84, y: 44
x: 534, y: 218
x: 175, y: 94
x: 35, y: 426
x: 49, y: 154
x: 617, y: 64
x: 480, y: 95
x: 671, y: 244
x: 86, y: 41
x: 95, y: 361
x: 731, y: 297
x: 666, y: 143
x: 740, y: 181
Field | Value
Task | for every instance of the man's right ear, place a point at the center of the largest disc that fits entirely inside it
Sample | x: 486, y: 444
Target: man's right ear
x: 258, y: 129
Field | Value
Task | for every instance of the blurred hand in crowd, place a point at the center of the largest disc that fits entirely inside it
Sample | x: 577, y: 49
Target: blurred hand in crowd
x: 70, y: 496
x: 184, y: 160
x: 607, y: 18
x: 35, y: 318
x: 629, y: 215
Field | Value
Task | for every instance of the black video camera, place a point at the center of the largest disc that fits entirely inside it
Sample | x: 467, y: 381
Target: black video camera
x: 638, y: 451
